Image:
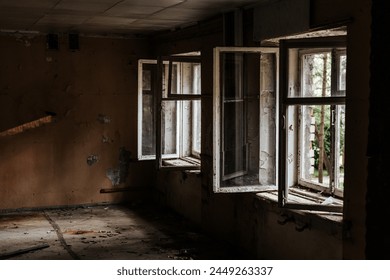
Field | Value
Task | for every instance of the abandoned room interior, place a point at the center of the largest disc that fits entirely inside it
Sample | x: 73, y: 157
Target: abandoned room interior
x: 193, y: 129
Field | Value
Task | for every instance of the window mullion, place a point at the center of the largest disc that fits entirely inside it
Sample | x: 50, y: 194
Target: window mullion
x: 159, y: 111
x: 333, y: 129
x: 333, y: 150
x: 179, y: 129
x: 337, y: 130
x: 217, y: 121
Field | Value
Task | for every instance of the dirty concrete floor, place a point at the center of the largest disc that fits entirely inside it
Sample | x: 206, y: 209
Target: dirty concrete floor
x: 115, y: 232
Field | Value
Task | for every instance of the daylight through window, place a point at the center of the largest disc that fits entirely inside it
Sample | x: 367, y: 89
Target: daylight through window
x: 169, y: 110
x: 313, y: 122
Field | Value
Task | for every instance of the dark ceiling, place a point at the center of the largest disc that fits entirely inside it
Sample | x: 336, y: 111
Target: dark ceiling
x: 124, y: 17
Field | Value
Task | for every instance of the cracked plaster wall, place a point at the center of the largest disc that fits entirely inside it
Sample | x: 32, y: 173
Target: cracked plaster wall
x: 92, y: 92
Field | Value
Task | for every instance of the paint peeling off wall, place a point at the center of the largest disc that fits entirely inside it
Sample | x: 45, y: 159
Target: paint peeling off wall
x: 107, y: 140
x: 92, y: 159
x: 103, y: 119
x: 58, y: 136
x: 119, y: 175
x: 114, y: 176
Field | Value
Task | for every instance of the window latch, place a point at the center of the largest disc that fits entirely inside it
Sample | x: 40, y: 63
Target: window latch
x: 333, y: 117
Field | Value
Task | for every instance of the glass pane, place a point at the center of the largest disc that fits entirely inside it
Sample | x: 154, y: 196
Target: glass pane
x: 291, y: 154
x: 248, y: 154
x: 340, y: 146
x: 316, y: 74
x: 175, y: 80
x: 321, y: 145
x: 190, y: 78
x: 342, y: 72
x: 148, y: 124
x: 315, y: 144
x: 196, y: 127
x: 232, y: 76
x: 234, y: 148
x: 185, y: 79
x: 196, y: 79
x: 169, y: 128
x: 189, y: 128
x: 181, y: 140
x: 185, y: 128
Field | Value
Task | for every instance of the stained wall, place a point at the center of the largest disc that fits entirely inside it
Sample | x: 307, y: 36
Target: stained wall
x: 68, y: 121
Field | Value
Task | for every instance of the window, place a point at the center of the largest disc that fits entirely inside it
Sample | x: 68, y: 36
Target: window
x: 169, y: 110
x: 147, y: 71
x: 245, y: 119
x: 312, y: 123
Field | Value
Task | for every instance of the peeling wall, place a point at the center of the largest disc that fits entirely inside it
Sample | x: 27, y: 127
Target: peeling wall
x: 91, y: 95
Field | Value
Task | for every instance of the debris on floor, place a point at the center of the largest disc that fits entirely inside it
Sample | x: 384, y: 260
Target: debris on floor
x: 102, y: 232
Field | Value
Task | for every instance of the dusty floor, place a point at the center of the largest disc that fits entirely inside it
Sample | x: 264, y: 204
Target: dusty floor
x: 105, y: 232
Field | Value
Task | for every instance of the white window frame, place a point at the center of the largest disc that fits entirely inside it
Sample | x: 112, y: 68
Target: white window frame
x: 140, y: 155
x: 289, y: 126
x: 166, y: 95
x: 218, y: 175
x: 183, y: 162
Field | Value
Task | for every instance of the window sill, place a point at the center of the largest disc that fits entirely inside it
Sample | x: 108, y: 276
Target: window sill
x: 304, y: 195
x: 182, y: 162
x: 272, y: 199
x: 188, y: 165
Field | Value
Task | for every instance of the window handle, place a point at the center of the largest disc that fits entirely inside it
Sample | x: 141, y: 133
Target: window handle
x: 333, y: 117
x: 284, y: 122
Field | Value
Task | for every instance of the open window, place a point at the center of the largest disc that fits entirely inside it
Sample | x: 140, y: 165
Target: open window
x: 179, y: 105
x: 169, y: 111
x: 312, y: 123
x: 147, y: 73
x: 245, y: 119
